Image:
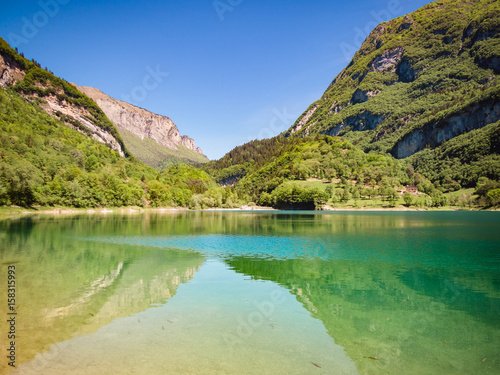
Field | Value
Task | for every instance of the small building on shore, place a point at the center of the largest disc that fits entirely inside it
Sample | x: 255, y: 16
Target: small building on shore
x: 412, y: 189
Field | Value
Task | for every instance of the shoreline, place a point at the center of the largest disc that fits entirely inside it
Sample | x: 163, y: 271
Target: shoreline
x: 10, y: 211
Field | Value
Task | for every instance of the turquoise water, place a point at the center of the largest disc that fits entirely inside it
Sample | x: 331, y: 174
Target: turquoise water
x: 255, y: 293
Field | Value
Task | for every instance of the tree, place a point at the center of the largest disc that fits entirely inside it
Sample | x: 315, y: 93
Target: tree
x: 92, y: 163
x: 392, y: 193
x: 408, y: 199
x: 21, y: 180
x: 355, y: 193
x: 438, y: 199
x: 195, y: 202
x: 266, y: 200
x: 346, y: 195
x: 208, y: 202
x: 158, y: 193
x: 330, y: 190
x: 493, y: 197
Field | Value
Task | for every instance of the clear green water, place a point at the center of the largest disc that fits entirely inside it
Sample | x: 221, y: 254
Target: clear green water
x: 255, y: 293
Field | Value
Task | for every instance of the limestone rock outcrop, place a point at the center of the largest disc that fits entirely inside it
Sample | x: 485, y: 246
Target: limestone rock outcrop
x: 434, y: 134
x: 141, y: 122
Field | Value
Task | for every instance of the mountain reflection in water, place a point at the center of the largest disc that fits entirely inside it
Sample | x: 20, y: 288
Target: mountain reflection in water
x: 370, y: 293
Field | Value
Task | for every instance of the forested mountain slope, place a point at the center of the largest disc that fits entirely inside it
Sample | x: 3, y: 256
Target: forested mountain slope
x: 127, y: 129
x: 416, y: 81
x: 58, y: 148
x: 45, y: 162
x: 423, y: 88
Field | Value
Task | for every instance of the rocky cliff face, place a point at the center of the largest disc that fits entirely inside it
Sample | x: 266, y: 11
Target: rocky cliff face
x: 363, y: 121
x: 140, y: 122
x: 10, y: 71
x: 70, y: 113
x: 434, y: 134
x: 416, y: 81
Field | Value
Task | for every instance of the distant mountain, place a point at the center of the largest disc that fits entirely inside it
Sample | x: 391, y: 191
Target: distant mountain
x: 416, y: 82
x: 152, y: 138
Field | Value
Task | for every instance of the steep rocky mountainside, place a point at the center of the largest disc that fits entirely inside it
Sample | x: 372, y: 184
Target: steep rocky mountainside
x: 416, y: 82
x: 57, y: 97
x: 129, y: 130
x: 129, y: 119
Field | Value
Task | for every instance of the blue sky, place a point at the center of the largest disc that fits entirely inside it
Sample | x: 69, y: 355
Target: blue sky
x: 225, y: 71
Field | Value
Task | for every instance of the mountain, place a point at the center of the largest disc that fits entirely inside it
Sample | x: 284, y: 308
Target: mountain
x: 152, y: 138
x: 416, y: 82
x: 45, y: 162
x: 423, y: 88
x: 57, y: 97
x: 58, y: 148
x: 309, y: 172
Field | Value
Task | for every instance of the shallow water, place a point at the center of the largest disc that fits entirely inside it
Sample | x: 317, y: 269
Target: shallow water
x: 255, y: 293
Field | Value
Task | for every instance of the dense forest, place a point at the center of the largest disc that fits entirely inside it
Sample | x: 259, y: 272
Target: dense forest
x: 317, y: 170
x: 43, y: 162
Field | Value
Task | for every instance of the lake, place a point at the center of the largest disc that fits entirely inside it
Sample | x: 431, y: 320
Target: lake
x: 253, y: 293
